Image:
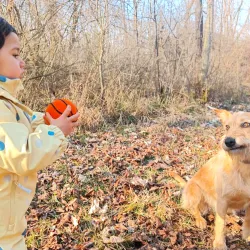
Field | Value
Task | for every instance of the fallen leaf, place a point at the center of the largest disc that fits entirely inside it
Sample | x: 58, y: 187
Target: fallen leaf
x: 137, y: 181
x: 113, y: 240
x: 74, y: 221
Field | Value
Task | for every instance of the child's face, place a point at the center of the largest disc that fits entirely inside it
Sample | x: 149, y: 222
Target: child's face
x: 11, y: 64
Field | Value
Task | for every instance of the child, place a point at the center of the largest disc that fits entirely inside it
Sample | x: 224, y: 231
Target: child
x: 26, y: 144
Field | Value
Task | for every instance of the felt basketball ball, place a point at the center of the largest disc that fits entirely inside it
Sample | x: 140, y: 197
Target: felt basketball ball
x: 57, y: 107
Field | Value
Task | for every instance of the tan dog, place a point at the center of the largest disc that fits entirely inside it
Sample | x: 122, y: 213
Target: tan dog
x: 223, y: 183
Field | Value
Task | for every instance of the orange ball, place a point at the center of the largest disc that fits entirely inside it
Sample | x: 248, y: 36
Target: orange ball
x: 57, y: 107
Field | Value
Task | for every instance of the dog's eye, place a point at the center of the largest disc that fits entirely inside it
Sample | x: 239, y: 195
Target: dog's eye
x: 245, y: 125
x: 227, y: 127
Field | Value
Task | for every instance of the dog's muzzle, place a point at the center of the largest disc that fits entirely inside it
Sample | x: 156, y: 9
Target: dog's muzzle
x: 231, y: 144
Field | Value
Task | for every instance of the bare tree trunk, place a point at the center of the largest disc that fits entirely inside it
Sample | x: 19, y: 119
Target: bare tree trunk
x: 101, y: 66
x: 75, y: 16
x: 10, y: 7
x: 199, y: 27
x: 136, y: 21
x: 207, y: 48
x: 159, y: 88
x: 104, y: 24
x: 124, y: 21
x: 199, y: 45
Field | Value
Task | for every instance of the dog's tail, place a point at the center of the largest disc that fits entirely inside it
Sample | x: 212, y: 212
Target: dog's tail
x: 179, y: 179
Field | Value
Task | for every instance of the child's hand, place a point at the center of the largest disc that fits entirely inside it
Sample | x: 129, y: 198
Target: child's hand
x: 65, y: 123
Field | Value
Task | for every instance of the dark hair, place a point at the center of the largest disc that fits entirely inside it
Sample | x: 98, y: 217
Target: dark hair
x: 5, y: 30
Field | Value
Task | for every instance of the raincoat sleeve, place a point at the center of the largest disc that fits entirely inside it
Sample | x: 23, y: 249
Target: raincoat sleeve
x: 22, y: 152
x: 36, y: 120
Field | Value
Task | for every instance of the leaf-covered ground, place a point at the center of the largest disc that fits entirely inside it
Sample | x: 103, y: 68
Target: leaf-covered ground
x: 110, y: 190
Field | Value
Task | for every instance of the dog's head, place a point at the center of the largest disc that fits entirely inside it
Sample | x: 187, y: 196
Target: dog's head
x: 237, y: 136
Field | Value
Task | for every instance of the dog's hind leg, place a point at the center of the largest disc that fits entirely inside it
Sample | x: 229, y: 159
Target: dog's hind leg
x: 193, y: 200
x: 246, y: 225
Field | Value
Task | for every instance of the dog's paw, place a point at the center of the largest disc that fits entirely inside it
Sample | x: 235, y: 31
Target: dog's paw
x: 219, y: 245
x: 201, y: 223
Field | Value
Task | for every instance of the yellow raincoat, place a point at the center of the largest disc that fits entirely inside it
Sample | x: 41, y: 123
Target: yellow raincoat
x: 26, y: 146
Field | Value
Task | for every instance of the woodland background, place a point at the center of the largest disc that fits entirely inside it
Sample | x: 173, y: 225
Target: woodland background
x: 126, y: 60
x: 140, y: 72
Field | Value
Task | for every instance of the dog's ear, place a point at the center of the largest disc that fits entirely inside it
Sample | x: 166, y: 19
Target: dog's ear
x: 223, y: 114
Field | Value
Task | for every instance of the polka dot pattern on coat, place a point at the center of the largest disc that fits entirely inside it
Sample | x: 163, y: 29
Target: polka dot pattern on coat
x: 51, y: 133
x: 17, y: 117
x: 33, y: 117
x: 2, y: 147
x: 24, y: 232
x: 3, y: 79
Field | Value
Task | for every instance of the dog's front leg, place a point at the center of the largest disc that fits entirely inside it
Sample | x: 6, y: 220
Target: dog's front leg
x: 221, y: 211
x: 246, y: 225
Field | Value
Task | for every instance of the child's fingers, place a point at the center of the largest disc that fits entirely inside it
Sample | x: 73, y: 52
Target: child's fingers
x: 74, y: 117
x: 75, y: 124
x: 67, y: 111
x: 49, y: 118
